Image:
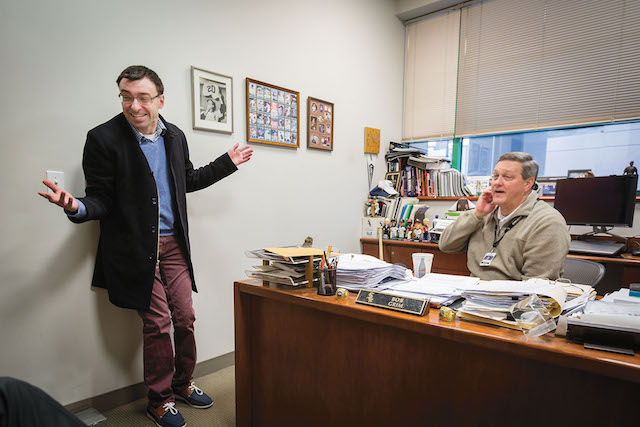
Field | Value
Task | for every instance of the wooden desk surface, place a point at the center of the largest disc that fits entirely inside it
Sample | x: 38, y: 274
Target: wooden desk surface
x: 303, y: 359
x: 548, y: 348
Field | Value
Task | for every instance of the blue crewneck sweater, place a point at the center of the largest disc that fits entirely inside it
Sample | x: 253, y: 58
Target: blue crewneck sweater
x: 154, y: 150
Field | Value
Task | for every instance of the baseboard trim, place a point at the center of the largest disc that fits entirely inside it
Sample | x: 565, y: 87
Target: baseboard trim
x: 115, y: 398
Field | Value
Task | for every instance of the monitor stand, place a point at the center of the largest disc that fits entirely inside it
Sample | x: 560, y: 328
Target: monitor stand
x: 583, y: 245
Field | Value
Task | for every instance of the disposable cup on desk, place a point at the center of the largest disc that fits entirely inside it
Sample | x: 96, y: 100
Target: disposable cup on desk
x: 421, y: 264
x: 327, y: 281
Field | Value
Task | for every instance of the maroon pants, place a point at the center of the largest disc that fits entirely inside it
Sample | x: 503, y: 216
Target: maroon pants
x: 170, y: 301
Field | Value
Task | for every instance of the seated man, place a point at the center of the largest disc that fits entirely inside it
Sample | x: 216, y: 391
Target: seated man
x: 522, y: 238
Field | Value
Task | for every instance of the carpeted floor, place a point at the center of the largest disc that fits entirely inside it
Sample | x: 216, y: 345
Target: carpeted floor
x: 219, y: 385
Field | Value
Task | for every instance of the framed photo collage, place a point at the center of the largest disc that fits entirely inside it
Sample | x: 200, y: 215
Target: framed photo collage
x: 272, y: 114
x: 320, y: 124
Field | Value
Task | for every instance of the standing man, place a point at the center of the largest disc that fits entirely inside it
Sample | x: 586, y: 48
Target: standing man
x: 510, y: 234
x: 138, y: 172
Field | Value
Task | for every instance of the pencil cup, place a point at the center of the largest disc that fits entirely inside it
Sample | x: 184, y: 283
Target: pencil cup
x: 421, y: 264
x: 327, y: 281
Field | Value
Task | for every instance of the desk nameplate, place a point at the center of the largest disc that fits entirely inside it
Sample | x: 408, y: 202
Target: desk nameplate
x: 416, y: 306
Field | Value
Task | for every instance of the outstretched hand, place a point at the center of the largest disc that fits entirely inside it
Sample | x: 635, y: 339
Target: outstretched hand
x: 59, y: 197
x: 240, y: 155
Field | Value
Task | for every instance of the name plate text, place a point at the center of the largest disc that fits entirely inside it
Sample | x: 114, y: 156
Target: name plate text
x: 393, y: 302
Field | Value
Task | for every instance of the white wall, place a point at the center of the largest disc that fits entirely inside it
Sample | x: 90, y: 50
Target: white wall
x: 60, y: 61
x: 409, y: 9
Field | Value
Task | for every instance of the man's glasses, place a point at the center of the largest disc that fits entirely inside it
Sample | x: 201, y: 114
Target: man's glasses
x: 142, y: 99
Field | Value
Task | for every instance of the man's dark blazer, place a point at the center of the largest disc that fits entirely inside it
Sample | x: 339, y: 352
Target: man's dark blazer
x: 121, y: 192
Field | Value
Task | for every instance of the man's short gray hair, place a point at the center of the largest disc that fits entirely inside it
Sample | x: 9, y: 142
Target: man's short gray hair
x: 529, y: 166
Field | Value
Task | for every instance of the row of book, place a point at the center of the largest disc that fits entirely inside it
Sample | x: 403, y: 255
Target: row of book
x: 422, y: 175
x: 433, y: 183
x: 407, y: 208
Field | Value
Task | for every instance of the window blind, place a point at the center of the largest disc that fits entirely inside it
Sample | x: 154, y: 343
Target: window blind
x: 431, y: 62
x: 536, y: 64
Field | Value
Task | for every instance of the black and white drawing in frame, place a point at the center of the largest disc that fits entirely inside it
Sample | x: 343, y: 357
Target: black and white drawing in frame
x: 212, y: 96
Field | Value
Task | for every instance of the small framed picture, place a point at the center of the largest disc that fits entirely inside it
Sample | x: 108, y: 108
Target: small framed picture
x: 548, y: 185
x: 272, y: 114
x: 394, y: 177
x: 212, y: 96
x: 371, y: 140
x: 579, y: 173
x: 320, y: 119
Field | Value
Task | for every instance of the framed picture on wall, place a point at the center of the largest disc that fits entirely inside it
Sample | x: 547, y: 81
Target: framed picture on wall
x: 320, y: 119
x: 371, y: 140
x: 212, y: 96
x: 272, y: 114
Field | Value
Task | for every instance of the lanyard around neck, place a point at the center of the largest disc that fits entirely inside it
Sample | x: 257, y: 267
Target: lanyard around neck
x: 509, y: 227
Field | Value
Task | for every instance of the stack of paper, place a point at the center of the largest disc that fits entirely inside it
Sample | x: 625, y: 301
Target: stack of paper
x: 287, y: 265
x: 622, y: 296
x: 439, y: 288
x: 293, y: 275
x: 490, y: 301
x: 577, y: 297
x: 290, y: 254
x: 356, y: 271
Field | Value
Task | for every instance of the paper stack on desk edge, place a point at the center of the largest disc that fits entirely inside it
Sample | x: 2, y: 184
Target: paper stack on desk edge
x: 357, y: 271
x: 287, y: 264
x: 439, y: 288
x: 490, y: 302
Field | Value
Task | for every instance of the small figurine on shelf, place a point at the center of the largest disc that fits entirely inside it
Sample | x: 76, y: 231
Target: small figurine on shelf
x: 401, y: 231
x: 386, y: 229
x: 409, y: 232
x: 394, y: 230
x: 308, y: 242
x: 417, y: 231
x: 631, y: 170
x: 373, y: 207
x: 426, y: 236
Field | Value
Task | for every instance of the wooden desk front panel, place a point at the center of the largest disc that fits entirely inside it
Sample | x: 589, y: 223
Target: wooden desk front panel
x: 395, y: 252
x: 313, y: 362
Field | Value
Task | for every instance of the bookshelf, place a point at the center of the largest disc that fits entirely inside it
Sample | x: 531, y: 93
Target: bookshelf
x: 447, y: 198
x: 428, y: 178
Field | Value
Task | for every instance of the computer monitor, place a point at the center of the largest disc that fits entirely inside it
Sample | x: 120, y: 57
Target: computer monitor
x: 598, y: 201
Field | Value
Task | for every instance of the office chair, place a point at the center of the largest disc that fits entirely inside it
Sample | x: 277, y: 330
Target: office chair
x: 583, y: 271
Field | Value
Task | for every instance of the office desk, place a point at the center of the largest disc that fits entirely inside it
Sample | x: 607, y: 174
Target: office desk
x: 307, y: 360
x: 620, y: 271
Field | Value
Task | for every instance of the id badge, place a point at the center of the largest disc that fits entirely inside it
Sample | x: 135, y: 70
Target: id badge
x: 488, y: 259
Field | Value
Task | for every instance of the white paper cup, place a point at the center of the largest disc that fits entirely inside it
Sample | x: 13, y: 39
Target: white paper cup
x: 421, y: 264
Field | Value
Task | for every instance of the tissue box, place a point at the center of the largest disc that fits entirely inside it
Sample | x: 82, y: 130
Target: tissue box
x: 370, y: 226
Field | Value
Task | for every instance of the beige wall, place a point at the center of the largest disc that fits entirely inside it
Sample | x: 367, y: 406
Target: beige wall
x: 60, y: 61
